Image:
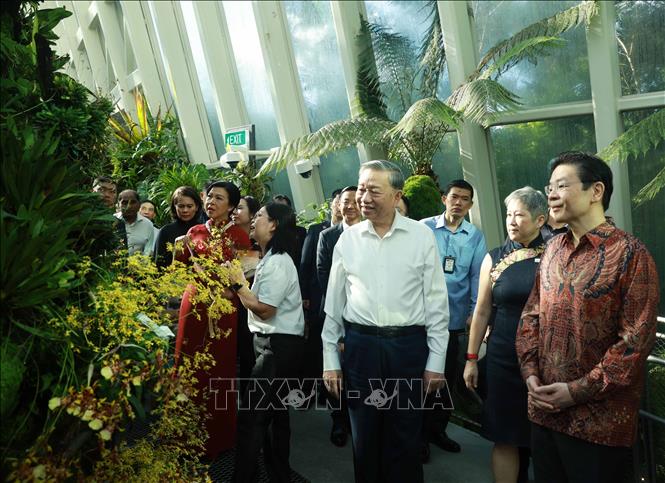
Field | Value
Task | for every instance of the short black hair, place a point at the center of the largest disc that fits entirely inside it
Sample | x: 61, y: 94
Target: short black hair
x: 252, y: 204
x: 458, y: 183
x: 335, y: 193
x: 189, y: 192
x: 348, y: 188
x: 103, y: 179
x: 231, y: 189
x: 590, y: 169
x: 280, y: 197
x: 284, y: 237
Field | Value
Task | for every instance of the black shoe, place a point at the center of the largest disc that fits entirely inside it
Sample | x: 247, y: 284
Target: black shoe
x: 338, y: 436
x: 445, y: 443
x: 424, y: 452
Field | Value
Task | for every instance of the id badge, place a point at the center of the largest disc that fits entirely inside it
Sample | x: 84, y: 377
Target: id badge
x: 449, y: 265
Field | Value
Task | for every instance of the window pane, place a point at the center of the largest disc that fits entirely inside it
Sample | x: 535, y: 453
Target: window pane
x: 646, y: 226
x: 446, y: 163
x: 321, y: 76
x: 562, y: 76
x: 410, y: 19
x: 254, y: 81
x: 641, y: 42
x: 203, y: 75
x: 522, y: 151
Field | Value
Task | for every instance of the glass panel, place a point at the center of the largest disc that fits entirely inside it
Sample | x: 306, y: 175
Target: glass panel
x: 203, y: 75
x: 254, y: 81
x: 562, y: 76
x: 410, y: 19
x: 646, y: 226
x: 522, y: 151
x: 320, y: 68
x: 446, y: 163
x: 640, y: 31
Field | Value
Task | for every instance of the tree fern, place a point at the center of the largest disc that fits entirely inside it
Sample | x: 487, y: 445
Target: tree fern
x: 427, y: 112
x: 481, y: 100
x: 549, y: 27
x: 636, y: 141
x: 432, y: 53
x: 529, y: 49
x: 369, y: 100
x: 331, y: 137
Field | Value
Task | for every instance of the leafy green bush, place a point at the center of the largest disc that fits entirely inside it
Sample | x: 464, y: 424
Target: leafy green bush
x: 424, y: 197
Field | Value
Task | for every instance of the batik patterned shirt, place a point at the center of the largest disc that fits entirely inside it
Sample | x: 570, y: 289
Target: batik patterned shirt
x: 590, y: 321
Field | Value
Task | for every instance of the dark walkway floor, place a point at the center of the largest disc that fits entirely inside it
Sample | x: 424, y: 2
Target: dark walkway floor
x: 314, y: 456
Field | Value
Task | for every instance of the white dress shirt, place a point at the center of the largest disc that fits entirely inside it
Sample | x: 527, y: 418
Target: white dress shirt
x: 140, y: 235
x: 276, y: 284
x: 396, y: 280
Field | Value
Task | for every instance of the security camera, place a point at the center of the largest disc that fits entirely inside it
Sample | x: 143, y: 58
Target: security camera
x: 231, y: 159
x: 304, y: 168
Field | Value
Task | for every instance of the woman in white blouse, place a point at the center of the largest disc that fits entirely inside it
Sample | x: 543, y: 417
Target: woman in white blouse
x: 276, y: 319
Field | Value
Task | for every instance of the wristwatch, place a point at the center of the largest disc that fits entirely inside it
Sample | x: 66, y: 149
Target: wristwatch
x: 236, y: 286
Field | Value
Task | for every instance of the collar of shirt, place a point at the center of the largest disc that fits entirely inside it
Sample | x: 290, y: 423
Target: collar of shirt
x: 441, y: 223
x: 595, y: 236
x: 139, y: 217
x: 399, y: 223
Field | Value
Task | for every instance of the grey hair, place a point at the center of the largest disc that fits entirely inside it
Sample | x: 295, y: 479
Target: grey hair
x: 396, y: 177
x: 533, y: 200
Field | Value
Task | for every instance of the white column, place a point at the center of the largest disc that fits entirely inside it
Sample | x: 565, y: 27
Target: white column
x: 184, y: 82
x: 72, y: 32
x: 346, y: 15
x: 286, y: 93
x: 461, y: 55
x: 90, y: 34
x: 227, y: 92
x: 606, y: 91
x: 148, y: 57
x: 115, y: 45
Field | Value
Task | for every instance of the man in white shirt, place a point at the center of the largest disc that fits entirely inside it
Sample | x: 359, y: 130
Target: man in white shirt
x: 387, y: 296
x: 139, y: 230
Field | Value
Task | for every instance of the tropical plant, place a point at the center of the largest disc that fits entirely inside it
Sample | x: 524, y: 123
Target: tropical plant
x: 392, y: 72
x: 424, y: 196
x: 639, y: 139
x: 144, y: 147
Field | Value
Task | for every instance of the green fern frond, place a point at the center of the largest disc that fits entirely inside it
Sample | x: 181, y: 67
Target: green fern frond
x: 651, y: 189
x: 549, y: 27
x: 331, y: 137
x: 395, y: 61
x: 529, y: 49
x: 369, y: 100
x: 482, y: 99
x: 638, y: 139
x: 432, y: 53
x: 430, y: 112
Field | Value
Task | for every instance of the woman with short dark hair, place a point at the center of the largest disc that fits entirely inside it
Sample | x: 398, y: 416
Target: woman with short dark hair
x: 186, y: 209
x: 220, y: 240
x: 276, y: 319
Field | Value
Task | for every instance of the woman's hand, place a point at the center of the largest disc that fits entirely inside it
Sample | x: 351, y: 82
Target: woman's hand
x: 182, y: 243
x: 471, y: 374
x: 236, y: 274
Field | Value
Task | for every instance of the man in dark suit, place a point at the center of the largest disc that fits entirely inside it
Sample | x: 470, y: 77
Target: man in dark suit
x: 327, y: 241
x: 311, y: 300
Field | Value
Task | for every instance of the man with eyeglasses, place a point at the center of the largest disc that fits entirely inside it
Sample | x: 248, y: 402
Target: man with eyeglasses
x: 586, y: 331
x: 461, y: 250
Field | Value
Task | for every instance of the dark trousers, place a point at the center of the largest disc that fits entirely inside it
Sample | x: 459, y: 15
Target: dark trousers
x: 436, y: 419
x: 264, y: 422
x: 385, y: 433
x: 559, y: 458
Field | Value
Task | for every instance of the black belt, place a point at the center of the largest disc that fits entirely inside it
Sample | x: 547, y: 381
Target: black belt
x: 389, y: 331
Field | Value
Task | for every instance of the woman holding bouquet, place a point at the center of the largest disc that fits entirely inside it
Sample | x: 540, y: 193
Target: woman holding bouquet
x: 199, y: 324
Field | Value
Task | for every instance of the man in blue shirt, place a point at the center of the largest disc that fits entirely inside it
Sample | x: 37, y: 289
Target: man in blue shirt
x: 461, y: 249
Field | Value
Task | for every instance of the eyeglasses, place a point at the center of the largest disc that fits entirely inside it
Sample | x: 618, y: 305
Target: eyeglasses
x: 560, y: 186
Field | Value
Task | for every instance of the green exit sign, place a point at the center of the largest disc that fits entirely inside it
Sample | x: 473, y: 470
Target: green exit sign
x: 238, y: 136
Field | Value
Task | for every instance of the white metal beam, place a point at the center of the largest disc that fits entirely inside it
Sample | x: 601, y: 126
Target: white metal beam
x: 115, y: 45
x: 69, y: 28
x: 93, y: 46
x: 286, y: 93
x: 227, y: 92
x: 606, y: 91
x: 148, y: 57
x: 346, y: 16
x: 648, y: 100
x: 184, y: 82
x: 461, y: 57
x: 543, y: 113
